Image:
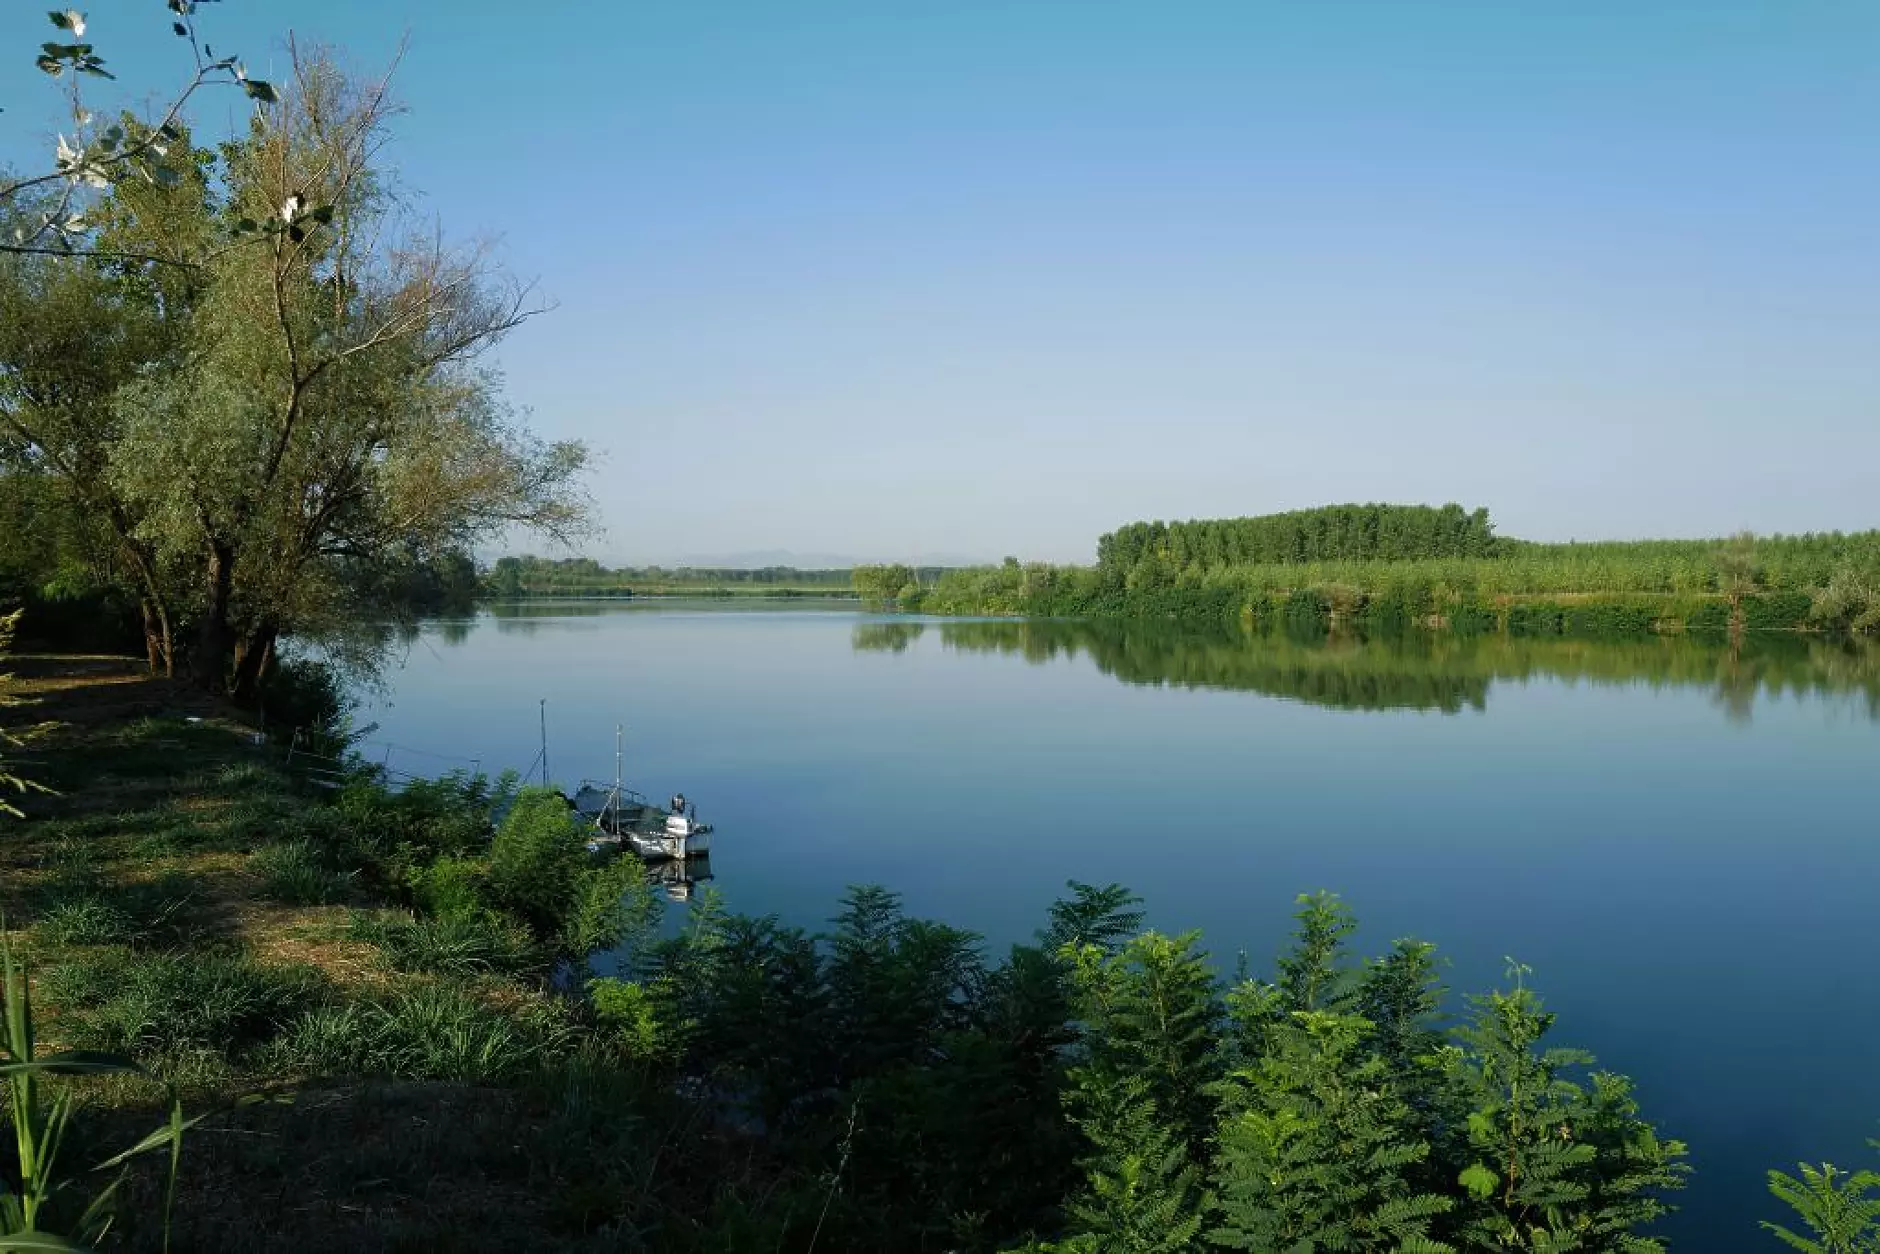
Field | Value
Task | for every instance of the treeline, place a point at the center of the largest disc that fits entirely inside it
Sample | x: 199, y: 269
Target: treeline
x: 511, y: 578
x: 1825, y: 582
x: 1330, y: 533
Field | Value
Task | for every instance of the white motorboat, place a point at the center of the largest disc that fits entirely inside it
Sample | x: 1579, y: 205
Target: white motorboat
x: 617, y: 817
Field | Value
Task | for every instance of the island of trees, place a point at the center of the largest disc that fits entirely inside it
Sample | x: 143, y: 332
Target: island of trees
x: 1398, y: 566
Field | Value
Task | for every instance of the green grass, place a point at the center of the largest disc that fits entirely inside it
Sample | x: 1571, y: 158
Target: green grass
x: 459, y: 945
x: 430, y: 1032
x: 159, y: 1005
x: 293, y: 874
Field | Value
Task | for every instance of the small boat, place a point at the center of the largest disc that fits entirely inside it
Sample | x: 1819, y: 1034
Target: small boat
x: 619, y: 818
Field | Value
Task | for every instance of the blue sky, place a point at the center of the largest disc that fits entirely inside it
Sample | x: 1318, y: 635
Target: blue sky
x: 988, y: 278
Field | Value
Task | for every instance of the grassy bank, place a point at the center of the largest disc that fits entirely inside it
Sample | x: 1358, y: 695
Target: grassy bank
x: 189, y: 900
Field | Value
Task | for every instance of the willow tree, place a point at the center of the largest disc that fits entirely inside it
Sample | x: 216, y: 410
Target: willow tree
x: 333, y: 408
x: 74, y: 333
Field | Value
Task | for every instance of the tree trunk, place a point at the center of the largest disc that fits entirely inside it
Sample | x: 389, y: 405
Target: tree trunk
x: 153, y: 642
x: 157, y: 645
x: 252, y: 657
x: 216, y: 642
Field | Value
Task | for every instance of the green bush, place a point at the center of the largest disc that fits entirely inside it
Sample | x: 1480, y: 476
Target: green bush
x: 536, y: 862
x: 615, y: 907
x: 632, y: 1014
x: 1532, y: 619
x: 448, y: 888
x: 1470, y: 619
x: 1607, y: 619
x: 1306, y: 609
x: 426, y: 820
x: 1710, y: 616
x: 1777, y: 611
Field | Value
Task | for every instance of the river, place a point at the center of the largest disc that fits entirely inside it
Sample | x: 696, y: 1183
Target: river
x: 1682, y: 839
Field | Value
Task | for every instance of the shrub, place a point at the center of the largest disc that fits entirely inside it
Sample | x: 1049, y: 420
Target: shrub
x: 448, y: 888
x: 1470, y: 619
x: 1535, y: 620
x: 303, y: 693
x: 631, y: 1013
x: 1777, y: 611
x: 615, y: 906
x: 536, y: 862
x: 427, y: 820
x: 1306, y: 609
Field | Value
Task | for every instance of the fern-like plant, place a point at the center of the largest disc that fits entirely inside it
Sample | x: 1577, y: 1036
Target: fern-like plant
x: 1840, y: 1209
x: 1319, y: 1148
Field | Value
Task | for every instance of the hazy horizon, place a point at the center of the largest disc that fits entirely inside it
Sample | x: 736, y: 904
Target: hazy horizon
x: 847, y: 279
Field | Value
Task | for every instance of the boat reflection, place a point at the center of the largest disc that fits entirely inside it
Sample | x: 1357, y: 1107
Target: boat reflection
x: 676, y: 877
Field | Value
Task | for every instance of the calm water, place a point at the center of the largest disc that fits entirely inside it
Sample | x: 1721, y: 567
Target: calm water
x: 1682, y: 840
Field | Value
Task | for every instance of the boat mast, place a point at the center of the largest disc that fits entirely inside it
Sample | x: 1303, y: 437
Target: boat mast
x: 617, y: 778
x: 544, y: 742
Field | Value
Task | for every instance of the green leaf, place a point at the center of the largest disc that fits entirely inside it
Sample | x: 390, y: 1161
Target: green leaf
x: 169, y: 1134
x: 1479, y: 1181
x: 182, y: 31
x: 75, y: 1062
x: 26, y: 1241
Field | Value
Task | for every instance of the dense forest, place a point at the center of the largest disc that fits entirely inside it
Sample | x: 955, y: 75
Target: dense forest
x: 1401, y: 566
x: 511, y: 578
x: 1333, y: 534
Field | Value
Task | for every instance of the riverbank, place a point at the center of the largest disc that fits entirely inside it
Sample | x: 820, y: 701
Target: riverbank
x: 1468, y: 596
x: 188, y: 898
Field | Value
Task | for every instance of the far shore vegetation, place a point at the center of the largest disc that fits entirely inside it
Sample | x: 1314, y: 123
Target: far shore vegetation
x: 1396, y: 567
